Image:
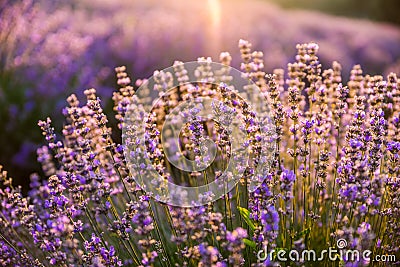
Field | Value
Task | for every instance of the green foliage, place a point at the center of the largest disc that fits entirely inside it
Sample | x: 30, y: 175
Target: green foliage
x: 245, y: 213
x: 249, y: 243
x: 379, y: 10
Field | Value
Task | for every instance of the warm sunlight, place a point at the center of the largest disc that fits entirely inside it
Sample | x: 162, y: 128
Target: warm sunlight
x: 214, y: 22
x: 214, y: 7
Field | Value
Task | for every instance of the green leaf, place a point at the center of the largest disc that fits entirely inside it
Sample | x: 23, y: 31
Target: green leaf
x: 249, y: 243
x: 245, y: 213
x: 302, y: 233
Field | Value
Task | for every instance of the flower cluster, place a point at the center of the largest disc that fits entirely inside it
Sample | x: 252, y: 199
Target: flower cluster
x: 44, y: 42
x: 334, y: 173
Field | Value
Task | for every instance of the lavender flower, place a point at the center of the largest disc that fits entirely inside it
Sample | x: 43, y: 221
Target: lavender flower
x: 334, y: 173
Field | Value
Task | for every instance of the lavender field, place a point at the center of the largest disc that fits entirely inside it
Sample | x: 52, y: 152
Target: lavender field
x: 285, y: 153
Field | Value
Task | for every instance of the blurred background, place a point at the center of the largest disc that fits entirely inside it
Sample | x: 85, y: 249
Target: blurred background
x: 50, y: 49
x: 376, y: 10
